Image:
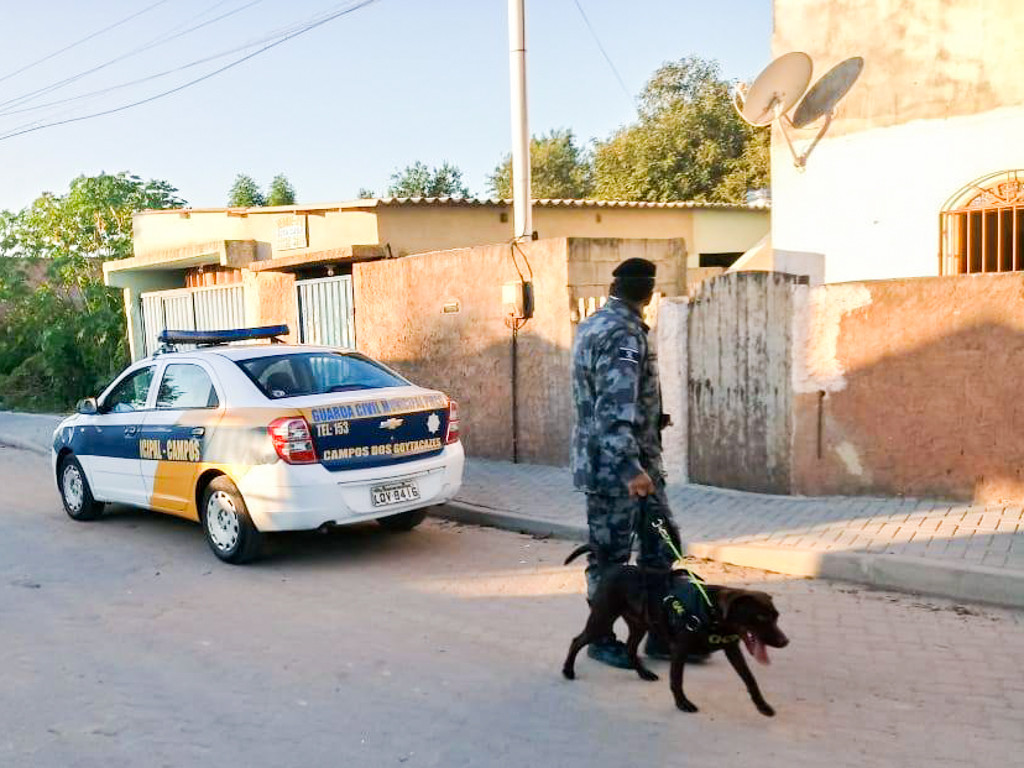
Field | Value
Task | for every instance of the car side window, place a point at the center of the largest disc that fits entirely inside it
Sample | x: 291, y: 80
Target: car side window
x: 130, y: 394
x: 186, y: 386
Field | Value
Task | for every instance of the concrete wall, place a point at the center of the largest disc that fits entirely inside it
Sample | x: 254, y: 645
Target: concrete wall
x: 467, y: 354
x: 399, y: 320
x: 937, y: 106
x: 738, y: 382
x: 917, y: 385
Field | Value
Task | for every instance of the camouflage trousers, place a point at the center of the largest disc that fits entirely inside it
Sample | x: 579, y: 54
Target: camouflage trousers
x: 612, y: 520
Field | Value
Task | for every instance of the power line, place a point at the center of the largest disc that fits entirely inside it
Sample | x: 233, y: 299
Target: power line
x: 120, y: 86
x: 85, y: 39
x: 330, y: 16
x: 604, y: 53
x: 147, y: 46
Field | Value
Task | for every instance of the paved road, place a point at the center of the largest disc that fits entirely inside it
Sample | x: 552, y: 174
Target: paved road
x: 124, y: 643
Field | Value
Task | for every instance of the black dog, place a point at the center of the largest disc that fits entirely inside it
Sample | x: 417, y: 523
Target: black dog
x: 646, y: 600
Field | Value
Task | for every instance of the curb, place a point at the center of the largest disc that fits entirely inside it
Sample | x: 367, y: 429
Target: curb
x: 974, y: 583
x: 23, y: 445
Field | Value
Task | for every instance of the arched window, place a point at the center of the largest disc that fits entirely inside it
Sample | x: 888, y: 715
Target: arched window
x: 983, y: 226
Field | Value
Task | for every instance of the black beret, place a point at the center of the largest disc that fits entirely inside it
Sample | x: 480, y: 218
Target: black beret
x: 635, y: 268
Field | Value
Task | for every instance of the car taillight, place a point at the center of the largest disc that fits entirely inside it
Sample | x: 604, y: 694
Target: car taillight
x: 292, y: 440
x: 453, y: 423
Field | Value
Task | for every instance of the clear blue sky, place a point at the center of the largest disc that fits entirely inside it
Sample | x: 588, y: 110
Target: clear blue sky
x: 342, y: 106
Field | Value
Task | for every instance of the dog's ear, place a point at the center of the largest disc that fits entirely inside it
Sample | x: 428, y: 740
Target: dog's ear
x: 726, y: 597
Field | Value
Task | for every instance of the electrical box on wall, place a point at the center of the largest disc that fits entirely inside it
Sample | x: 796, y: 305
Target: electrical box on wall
x: 518, y: 298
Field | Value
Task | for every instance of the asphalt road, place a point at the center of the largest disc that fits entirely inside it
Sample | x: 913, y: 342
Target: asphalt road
x: 124, y: 642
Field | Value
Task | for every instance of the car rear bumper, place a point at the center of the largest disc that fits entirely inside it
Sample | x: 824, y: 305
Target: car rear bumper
x: 283, y: 497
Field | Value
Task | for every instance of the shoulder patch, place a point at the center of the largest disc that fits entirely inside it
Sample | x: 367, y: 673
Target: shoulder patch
x: 629, y: 355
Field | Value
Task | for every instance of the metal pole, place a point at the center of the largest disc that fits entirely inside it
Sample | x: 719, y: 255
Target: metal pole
x: 522, y: 214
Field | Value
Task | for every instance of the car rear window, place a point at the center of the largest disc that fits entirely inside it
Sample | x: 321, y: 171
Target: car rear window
x: 317, y: 373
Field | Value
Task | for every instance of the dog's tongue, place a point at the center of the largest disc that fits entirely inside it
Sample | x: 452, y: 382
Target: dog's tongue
x: 756, y: 648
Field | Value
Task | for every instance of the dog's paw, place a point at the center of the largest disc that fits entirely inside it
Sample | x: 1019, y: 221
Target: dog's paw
x: 765, y: 709
x: 686, y: 705
x: 646, y: 674
x: 568, y: 674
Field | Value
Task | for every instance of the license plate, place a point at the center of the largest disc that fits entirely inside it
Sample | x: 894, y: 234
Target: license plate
x: 394, y: 493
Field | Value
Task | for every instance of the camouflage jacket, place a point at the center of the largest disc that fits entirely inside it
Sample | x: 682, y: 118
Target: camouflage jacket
x: 617, y: 402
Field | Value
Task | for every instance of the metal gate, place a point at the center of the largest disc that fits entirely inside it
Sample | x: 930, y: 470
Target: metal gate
x: 326, y: 312
x: 191, y: 309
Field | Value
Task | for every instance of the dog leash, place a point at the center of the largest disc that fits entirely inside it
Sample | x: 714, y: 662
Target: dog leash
x: 659, y: 526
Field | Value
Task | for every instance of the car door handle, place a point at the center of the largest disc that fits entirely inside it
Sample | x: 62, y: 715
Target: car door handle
x: 198, y: 431
x: 129, y: 431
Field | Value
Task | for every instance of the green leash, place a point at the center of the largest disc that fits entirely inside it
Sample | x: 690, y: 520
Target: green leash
x: 659, y: 526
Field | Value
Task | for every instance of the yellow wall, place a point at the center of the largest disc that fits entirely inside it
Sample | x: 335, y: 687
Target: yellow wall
x: 411, y: 229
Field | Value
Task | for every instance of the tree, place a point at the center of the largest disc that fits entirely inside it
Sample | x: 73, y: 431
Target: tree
x: 365, y: 193
x: 559, y: 169
x: 281, y: 191
x: 417, y: 180
x: 245, y: 193
x: 66, y: 336
x: 688, y: 144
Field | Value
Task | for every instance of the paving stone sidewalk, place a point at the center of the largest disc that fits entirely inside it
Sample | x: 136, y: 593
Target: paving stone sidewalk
x: 958, y: 550
x: 961, y: 551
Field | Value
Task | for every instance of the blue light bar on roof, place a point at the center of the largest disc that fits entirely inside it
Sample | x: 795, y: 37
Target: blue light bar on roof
x: 222, y: 337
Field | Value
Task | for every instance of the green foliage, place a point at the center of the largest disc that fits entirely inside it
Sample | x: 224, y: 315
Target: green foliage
x: 688, y: 144
x: 365, y: 193
x: 281, y: 191
x: 417, y: 180
x: 245, y: 193
x: 559, y: 169
x: 63, y: 336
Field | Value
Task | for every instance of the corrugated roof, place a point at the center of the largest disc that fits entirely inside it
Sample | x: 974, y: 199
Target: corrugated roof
x: 468, y: 202
x: 566, y: 203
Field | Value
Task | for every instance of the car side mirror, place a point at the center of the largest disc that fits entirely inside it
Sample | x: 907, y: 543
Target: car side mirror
x: 88, y: 407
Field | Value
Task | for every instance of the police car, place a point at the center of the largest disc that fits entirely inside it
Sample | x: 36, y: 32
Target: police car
x: 250, y: 439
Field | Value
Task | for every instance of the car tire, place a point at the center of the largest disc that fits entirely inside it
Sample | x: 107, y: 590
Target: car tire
x: 403, y: 521
x: 75, y: 493
x: 229, y: 529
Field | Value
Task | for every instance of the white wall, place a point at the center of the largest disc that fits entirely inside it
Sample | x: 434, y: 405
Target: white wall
x: 870, y: 201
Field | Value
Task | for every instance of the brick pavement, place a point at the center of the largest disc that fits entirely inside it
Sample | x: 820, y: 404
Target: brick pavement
x: 954, y: 538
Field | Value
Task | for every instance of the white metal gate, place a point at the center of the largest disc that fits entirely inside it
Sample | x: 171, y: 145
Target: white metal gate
x: 190, y: 309
x: 326, y: 314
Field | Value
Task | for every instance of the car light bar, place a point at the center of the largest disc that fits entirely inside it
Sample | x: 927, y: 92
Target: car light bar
x: 222, y: 337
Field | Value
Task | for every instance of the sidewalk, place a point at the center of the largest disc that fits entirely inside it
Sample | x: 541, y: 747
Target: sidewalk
x: 956, y: 550
x: 960, y: 551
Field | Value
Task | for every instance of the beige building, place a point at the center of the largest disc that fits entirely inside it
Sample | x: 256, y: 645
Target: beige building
x: 922, y: 171
x: 223, y: 267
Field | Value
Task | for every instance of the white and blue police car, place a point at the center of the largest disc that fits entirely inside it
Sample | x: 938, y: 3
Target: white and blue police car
x: 255, y: 438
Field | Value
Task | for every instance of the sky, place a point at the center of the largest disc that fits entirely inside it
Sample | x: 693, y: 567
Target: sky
x: 338, y: 108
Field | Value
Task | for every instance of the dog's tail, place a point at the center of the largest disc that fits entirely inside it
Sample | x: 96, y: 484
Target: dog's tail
x: 577, y: 552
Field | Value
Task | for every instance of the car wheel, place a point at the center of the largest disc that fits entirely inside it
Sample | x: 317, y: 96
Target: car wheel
x: 403, y: 521
x: 226, y: 522
x: 75, y: 492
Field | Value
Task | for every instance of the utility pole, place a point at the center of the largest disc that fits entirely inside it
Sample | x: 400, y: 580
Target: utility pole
x: 522, y: 206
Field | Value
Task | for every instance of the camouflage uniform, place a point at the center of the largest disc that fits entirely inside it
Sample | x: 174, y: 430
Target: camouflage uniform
x: 617, y: 434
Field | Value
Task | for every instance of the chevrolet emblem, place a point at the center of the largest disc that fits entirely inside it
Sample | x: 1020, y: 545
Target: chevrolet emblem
x: 392, y: 423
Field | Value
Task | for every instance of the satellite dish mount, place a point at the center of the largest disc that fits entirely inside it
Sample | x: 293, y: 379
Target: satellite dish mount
x: 782, y: 84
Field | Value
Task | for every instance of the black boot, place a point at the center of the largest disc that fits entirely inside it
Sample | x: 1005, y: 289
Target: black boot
x: 609, y: 651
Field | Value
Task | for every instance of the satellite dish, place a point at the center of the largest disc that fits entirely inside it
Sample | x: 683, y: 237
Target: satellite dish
x: 825, y: 94
x: 776, y: 89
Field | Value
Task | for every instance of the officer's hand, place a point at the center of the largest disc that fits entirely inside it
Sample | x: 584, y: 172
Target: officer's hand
x: 641, y: 485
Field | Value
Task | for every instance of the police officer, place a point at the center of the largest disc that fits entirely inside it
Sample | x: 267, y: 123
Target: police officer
x: 616, y: 440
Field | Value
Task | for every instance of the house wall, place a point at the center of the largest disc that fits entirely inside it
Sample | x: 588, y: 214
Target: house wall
x: 413, y: 229
x: 937, y: 106
x: 918, y: 387
x: 467, y: 354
